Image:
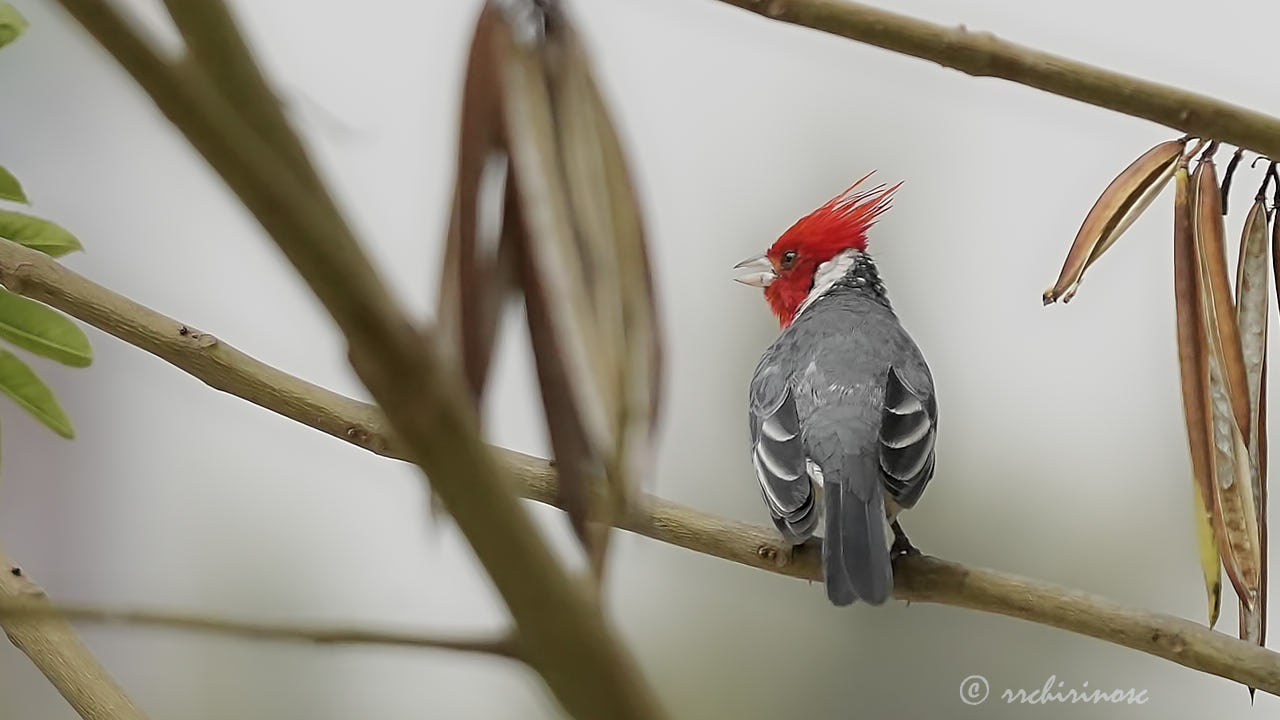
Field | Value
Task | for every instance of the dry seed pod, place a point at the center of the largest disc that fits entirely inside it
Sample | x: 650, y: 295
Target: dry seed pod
x: 1252, y: 314
x: 1192, y: 361
x: 586, y: 276
x: 1234, y: 512
x: 1252, y: 290
x: 603, y: 199
x: 1211, y: 246
x: 611, y: 251
x: 476, y: 279
x: 556, y: 292
x: 1118, y: 206
x: 1210, y: 560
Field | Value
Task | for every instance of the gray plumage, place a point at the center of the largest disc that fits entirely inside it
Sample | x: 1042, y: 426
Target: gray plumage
x: 845, y: 398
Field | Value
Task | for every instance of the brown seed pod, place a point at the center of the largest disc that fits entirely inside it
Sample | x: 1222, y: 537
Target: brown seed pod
x: 1234, y: 511
x: 585, y: 272
x: 1193, y: 363
x: 1252, y: 291
x: 1115, y: 210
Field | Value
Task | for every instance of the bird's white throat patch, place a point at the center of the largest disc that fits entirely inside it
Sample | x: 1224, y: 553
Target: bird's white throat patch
x: 826, y: 276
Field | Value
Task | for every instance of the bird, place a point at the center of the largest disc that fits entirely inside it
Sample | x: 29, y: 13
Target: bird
x: 843, y: 416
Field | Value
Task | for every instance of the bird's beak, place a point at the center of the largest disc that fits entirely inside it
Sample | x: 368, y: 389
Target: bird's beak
x: 757, y: 271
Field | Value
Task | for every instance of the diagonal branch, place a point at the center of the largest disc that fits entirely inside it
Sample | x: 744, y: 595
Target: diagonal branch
x: 56, y: 650
x: 561, y: 625
x: 216, y: 50
x: 40, y: 614
x: 985, y: 55
x: 918, y: 579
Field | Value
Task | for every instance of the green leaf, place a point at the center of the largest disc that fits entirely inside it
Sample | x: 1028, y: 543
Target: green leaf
x: 42, y: 330
x: 11, y: 24
x: 27, y: 389
x: 10, y: 188
x: 37, y: 234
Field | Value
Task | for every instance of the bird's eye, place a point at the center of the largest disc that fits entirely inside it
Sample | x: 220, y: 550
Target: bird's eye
x: 788, y: 259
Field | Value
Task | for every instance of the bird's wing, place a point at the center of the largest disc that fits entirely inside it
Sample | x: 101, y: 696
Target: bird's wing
x: 908, y: 429
x: 777, y: 452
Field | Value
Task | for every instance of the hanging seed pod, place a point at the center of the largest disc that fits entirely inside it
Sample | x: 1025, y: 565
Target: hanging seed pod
x: 615, y: 267
x: 1115, y: 210
x: 1193, y: 363
x: 1211, y: 247
x: 1252, y: 290
x: 557, y: 296
x: 544, y: 205
x: 1210, y: 560
x: 585, y: 273
x: 478, y: 272
x: 1234, y: 511
x: 1263, y: 492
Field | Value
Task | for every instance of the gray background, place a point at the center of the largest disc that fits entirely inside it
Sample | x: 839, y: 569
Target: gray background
x: 1061, y: 450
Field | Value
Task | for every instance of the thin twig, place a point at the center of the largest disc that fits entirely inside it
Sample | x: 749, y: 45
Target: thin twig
x: 918, y: 579
x: 562, y: 628
x: 320, y: 635
x: 985, y: 55
x: 54, y: 648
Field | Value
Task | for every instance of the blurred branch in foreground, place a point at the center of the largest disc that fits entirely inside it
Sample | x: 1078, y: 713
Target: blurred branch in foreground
x: 40, y: 612
x: 982, y: 54
x: 917, y: 578
x: 54, y: 648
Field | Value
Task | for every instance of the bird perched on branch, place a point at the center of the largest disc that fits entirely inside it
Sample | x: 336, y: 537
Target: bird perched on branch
x: 843, y: 399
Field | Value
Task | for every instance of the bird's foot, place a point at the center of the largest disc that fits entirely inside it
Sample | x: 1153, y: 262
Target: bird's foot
x: 902, y: 546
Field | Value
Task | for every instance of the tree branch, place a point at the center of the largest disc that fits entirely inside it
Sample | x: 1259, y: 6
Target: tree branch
x: 918, y: 579
x: 56, y: 650
x: 561, y: 626
x: 41, y: 613
x: 216, y: 49
x: 985, y: 55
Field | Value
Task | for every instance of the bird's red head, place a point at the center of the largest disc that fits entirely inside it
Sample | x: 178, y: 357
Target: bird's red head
x: 786, y: 271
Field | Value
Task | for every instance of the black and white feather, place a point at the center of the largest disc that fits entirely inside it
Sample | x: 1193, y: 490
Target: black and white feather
x: 777, y: 453
x: 908, y: 429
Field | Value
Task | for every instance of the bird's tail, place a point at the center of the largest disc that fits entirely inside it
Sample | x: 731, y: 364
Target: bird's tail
x: 855, y: 550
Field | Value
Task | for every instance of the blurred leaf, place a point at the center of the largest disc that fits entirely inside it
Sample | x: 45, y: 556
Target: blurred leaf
x: 42, y: 330
x: 12, y: 24
x: 1193, y: 363
x: 1235, y: 517
x: 1252, y: 289
x: 20, y: 382
x: 1118, y: 206
x: 47, y: 237
x: 10, y: 188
